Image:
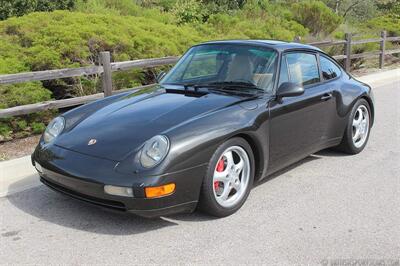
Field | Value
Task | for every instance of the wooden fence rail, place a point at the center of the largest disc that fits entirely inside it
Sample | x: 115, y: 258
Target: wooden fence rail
x: 348, y: 43
x: 106, y: 68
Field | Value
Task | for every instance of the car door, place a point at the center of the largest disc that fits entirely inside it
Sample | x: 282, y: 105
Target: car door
x: 331, y: 74
x: 298, y: 125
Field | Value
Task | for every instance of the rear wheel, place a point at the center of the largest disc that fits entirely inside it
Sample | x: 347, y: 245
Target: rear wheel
x: 358, y: 127
x: 229, y: 178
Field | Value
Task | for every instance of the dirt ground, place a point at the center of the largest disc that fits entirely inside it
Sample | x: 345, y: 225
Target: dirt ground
x: 18, y: 148
x: 371, y: 69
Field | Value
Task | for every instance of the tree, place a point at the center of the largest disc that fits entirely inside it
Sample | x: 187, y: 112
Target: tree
x: 354, y: 9
x: 316, y: 16
x: 389, y: 6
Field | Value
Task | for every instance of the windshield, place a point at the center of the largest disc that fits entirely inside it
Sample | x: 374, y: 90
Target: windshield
x: 213, y: 64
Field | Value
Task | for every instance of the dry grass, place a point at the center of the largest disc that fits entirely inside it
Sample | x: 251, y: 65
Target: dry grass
x: 3, y: 156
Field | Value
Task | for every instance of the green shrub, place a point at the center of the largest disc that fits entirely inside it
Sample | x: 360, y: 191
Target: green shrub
x: 121, y: 7
x: 164, y: 5
x: 188, y: 11
x: 154, y: 9
x: 41, y: 41
x: 389, y: 23
x: 222, y: 6
x: 21, y: 124
x: 38, y: 127
x: 267, y: 17
x: 21, y: 7
x: 391, y: 7
x: 5, y: 130
x: 316, y: 16
x: 24, y: 93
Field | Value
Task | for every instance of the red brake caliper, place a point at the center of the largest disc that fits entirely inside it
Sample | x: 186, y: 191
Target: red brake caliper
x: 220, y: 168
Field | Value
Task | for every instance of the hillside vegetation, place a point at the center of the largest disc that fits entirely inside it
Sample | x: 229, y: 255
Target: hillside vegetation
x: 36, y: 35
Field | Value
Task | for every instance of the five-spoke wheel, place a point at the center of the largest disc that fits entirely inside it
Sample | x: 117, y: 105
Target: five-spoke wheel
x: 360, y: 126
x: 356, y: 133
x: 229, y: 178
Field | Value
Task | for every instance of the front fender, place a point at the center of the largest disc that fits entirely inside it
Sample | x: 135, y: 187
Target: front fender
x: 195, y: 141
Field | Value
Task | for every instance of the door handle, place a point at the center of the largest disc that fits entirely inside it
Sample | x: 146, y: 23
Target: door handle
x: 326, y: 96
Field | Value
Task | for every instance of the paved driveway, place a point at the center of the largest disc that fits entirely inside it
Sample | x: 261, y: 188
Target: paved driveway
x: 328, y: 206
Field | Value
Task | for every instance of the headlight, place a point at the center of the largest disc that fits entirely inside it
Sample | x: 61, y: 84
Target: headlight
x: 55, y: 127
x: 154, y: 151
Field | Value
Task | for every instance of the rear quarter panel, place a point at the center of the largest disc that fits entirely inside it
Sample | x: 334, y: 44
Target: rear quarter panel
x: 350, y: 92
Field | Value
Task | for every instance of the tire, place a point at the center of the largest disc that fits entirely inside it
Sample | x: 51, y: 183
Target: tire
x: 238, y: 181
x: 348, y: 144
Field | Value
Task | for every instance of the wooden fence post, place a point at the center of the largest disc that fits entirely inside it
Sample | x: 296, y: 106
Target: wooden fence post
x: 382, y: 55
x: 348, y: 51
x: 106, y: 77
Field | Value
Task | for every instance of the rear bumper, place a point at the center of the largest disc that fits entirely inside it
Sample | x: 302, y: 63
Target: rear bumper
x: 83, y: 177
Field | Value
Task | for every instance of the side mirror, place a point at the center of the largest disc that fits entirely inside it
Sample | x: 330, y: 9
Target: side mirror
x: 289, y: 89
x: 160, y: 76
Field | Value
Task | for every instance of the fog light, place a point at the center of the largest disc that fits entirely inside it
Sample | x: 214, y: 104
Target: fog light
x: 155, y: 192
x: 38, y: 167
x: 118, y: 191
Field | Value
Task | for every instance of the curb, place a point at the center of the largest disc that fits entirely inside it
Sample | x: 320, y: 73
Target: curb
x: 381, y: 77
x: 18, y: 174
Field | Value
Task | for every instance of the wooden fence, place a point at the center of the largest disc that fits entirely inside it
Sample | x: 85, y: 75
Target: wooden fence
x: 348, y: 43
x: 105, y: 69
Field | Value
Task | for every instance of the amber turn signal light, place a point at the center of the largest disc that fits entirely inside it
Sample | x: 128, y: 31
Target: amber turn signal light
x: 155, y: 192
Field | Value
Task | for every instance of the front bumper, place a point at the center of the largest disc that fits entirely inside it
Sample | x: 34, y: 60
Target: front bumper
x: 84, y: 177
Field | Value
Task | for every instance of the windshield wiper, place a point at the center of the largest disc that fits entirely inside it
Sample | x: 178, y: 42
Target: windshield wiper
x: 231, y: 86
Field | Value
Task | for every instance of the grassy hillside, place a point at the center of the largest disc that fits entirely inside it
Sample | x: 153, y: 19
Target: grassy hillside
x: 140, y: 29
x: 41, y: 41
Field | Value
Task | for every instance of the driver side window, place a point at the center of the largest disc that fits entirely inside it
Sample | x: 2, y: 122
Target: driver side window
x: 301, y: 68
x: 283, y: 75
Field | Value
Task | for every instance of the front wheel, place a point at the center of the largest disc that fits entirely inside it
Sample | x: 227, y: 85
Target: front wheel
x: 358, y: 128
x: 229, y: 178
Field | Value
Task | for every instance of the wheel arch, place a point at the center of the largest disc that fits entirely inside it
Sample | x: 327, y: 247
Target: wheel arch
x: 371, y: 107
x: 257, y: 153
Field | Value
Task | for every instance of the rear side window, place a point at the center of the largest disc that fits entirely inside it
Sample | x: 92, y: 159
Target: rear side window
x: 302, y: 68
x: 329, y: 69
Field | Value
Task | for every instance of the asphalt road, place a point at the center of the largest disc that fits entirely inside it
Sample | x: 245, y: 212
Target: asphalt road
x: 326, y: 207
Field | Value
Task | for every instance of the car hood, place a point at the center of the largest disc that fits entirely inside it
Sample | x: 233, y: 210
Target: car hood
x: 122, y: 126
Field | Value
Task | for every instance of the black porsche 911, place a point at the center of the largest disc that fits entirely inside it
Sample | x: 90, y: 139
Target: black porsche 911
x: 229, y: 113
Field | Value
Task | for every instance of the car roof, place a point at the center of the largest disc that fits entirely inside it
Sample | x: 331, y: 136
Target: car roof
x: 274, y: 44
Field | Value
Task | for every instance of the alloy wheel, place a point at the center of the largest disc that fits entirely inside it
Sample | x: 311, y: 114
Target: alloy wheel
x: 360, y: 126
x: 231, y: 176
